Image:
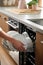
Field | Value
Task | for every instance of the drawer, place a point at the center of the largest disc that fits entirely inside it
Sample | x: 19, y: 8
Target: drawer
x: 3, y: 16
x: 39, y: 49
x: 39, y: 38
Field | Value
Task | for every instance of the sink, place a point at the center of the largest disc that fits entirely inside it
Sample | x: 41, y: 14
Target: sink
x: 37, y: 21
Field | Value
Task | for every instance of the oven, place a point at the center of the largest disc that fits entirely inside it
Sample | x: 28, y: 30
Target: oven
x: 25, y: 58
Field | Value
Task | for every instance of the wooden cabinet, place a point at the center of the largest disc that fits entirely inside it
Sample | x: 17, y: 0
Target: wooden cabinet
x: 39, y: 49
x: 3, y: 16
x: 3, y: 24
x: 8, y: 3
x: 5, y: 57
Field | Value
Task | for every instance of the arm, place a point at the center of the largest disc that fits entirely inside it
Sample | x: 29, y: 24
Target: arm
x: 18, y: 45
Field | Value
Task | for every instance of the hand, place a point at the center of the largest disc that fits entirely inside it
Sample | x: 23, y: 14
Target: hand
x: 19, y: 46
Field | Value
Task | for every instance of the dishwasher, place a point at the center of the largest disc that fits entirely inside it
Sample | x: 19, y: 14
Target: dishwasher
x: 25, y: 58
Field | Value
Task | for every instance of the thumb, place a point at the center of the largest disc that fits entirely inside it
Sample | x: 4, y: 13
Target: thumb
x: 22, y: 44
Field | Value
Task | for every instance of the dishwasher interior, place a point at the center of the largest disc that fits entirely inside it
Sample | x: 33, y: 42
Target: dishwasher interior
x: 28, y: 58
x: 25, y: 58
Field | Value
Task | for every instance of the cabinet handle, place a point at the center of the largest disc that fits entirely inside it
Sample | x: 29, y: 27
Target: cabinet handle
x: 41, y: 42
x: 5, y: 18
x: 0, y: 15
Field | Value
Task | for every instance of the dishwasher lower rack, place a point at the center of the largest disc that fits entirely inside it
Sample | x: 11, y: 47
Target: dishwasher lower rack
x: 26, y: 58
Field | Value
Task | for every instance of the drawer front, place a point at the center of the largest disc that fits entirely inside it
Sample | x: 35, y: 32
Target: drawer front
x: 39, y: 49
x: 4, y: 17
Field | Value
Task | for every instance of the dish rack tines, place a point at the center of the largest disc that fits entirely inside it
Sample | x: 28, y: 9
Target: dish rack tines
x: 31, y: 58
x: 31, y: 33
x: 27, y: 58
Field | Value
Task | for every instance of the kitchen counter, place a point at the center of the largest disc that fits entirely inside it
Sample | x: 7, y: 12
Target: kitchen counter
x: 25, y: 18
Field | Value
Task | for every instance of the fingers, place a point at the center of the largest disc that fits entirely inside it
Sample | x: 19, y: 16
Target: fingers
x: 22, y: 44
x: 21, y: 49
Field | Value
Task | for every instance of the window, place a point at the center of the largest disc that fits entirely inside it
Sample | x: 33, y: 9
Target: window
x: 42, y: 3
x: 28, y: 1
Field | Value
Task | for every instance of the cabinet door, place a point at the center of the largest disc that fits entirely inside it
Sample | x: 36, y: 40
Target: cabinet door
x: 39, y: 49
x: 3, y: 16
x: 3, y: 24
x: 5, y: 57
